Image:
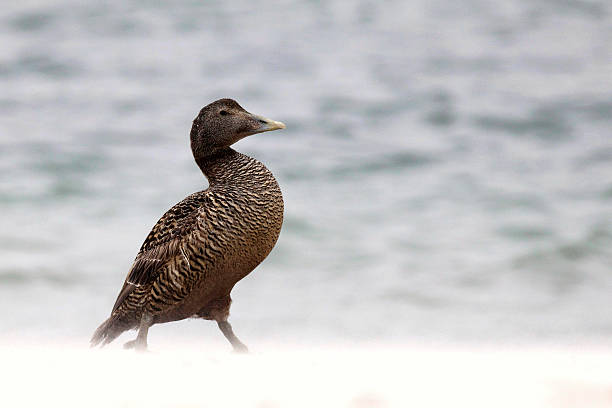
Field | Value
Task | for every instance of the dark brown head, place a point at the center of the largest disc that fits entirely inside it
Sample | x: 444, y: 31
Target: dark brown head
x: 223, y: 123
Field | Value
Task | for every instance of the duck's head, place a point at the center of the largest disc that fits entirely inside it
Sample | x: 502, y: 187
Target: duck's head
x: 223, y: 123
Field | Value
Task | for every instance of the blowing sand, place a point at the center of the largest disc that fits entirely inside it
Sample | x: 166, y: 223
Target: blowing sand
x: 412, y: 376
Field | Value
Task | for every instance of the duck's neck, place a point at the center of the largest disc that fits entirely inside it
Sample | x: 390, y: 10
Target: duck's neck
x: 222, y: 167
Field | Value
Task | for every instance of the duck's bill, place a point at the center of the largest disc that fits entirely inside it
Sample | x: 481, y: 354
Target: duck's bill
x: 267, y: 125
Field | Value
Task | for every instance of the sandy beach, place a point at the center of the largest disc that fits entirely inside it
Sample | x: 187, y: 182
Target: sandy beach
x: 323, y: 377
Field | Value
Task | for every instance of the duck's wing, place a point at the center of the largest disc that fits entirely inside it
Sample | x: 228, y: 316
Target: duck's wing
x: 164, y: 242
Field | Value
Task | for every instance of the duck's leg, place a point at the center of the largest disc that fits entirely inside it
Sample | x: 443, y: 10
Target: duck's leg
x: 140, y: 343
x: 218, y: 310
x: 226, y: 329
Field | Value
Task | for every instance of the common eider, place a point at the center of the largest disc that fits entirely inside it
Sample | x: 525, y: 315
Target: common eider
x: 198, y: 250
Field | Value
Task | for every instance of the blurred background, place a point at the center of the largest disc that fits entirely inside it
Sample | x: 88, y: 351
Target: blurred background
x: 446, y: 167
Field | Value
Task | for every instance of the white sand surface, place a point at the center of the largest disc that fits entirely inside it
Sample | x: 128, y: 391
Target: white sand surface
x: 356, y: 377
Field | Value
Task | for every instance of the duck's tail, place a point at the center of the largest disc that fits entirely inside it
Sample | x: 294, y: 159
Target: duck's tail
x: 109, y: 330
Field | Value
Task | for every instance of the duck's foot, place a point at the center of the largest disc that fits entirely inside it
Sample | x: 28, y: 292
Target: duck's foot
x: 136, y: 344
x: 240, y: 349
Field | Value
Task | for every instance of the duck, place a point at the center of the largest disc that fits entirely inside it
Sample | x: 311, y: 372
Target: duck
x: 202, y: 246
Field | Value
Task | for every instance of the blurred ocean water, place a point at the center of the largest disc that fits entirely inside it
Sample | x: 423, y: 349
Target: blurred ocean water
x: 446, y: 167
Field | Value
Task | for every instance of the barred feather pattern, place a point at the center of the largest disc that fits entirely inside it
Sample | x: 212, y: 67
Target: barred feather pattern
x: 198, y: 250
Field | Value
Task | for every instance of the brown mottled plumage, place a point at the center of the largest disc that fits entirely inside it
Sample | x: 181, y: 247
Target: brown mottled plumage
x: 198, y: 250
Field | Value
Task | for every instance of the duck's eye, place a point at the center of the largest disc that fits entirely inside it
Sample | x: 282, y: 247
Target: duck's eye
x: 223, y: 113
